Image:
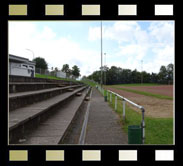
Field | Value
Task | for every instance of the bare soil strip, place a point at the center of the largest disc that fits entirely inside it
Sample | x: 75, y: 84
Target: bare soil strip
x: 158, y: 108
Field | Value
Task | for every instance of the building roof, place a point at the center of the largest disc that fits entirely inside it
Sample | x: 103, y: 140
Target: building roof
x: 14, y: 58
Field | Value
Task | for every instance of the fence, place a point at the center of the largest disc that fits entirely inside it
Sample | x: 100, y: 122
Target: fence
x: 124, y: 101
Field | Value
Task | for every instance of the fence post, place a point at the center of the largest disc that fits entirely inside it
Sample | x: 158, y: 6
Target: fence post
x: 116, y: 102
x: 124, y: 110
x: 143, y: 125
x: 110, y: 97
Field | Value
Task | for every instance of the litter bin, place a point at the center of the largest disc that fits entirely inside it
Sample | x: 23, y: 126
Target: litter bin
x: 134, y: 134
x: 105, y: 98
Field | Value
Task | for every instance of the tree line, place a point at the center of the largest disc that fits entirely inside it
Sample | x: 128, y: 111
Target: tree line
x: 42, y: 64
x: 117, y: 75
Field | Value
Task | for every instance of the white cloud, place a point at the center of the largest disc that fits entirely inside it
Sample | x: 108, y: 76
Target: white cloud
x: 47, y: 33
x: 133, y: 45
x: 56, y: 50
x: 120, y: 31
x: 154, y: 43
x: 162, y: 32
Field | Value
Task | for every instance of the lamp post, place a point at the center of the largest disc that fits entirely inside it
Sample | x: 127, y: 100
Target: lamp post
x: 30, y: 51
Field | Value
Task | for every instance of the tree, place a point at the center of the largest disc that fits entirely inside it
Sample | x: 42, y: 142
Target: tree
x: 66, y: 69
x: 117, y: 75
x: 154, y: 78
x: 95, y: 76
x: 56, y: 69
x: 163, y: 75
x: 170, y: 73
x: 40, y: 63
x: 75, y: 71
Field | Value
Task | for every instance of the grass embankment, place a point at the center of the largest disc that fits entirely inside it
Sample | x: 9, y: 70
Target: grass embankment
x: 54, y: 77
x: 157, y: 130
x: 88, y: 82
x: 145, y: 93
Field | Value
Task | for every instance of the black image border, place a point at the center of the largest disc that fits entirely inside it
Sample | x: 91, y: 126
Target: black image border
x: 73, y: 153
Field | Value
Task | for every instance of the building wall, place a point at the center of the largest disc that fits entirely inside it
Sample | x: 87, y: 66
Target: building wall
x: 61, y: 74
x: 21, y: 69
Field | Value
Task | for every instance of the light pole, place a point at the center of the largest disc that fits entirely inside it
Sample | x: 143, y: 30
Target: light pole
x: 141, y: 71
x: 105, y: 68
x: 101, y: 57
x: 30, y: 51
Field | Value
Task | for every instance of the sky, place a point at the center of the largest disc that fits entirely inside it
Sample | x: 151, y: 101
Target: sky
x: 141, y: 45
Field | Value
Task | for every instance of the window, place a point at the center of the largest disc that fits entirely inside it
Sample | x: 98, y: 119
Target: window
x: 25, y: 66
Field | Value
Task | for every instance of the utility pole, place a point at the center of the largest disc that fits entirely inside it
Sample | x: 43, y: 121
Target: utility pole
x: 101, y: 81
x: 141, y: 71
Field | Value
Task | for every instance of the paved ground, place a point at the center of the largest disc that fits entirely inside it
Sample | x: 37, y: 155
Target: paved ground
x: 103, y: 123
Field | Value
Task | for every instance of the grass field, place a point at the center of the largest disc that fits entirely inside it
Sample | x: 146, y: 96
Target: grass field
x: 157, y: 130
x: 146, y: 93
x: 144, y: 84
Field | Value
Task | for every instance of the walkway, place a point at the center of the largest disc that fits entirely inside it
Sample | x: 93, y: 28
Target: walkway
x: 103, y: 123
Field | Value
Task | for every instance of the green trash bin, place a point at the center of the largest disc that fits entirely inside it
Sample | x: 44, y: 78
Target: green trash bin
x: 134, y: 134
x: 105, y: 98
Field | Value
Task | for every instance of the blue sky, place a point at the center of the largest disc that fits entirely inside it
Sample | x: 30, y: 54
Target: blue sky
x: 126, y: 43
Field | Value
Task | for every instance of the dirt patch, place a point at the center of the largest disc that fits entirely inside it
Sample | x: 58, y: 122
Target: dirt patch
x: 159, y: 108
x: 166, y: 90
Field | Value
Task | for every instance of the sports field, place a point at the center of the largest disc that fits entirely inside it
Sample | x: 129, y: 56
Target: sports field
x: 156, y: 99
x: 158, y: 103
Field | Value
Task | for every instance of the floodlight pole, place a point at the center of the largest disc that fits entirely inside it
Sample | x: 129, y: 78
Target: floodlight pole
x: 101, y: 81
x: 141, y: 71
x: 105, y: 68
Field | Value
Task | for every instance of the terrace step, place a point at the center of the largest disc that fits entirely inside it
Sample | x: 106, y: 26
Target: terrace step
x: 28, y: 118
x: 21, y: 99
x: 54, y: 129
x: 15, y: 87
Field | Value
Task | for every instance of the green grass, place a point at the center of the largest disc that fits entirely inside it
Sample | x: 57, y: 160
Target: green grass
x: 144, y: 84
x: 93, y: 84
x: 157, y: 130
x: 146, y: 93
x: 54, y: 77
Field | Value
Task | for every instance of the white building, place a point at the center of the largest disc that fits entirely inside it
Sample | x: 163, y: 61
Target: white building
x: 60, y: 74
x: 21, y: 66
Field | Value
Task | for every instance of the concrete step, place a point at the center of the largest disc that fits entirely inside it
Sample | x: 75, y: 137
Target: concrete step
x: 28, y: 118
x: 21, y: 99
x: 15, y: 87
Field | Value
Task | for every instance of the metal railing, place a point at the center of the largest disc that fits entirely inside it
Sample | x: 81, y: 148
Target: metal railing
x: 124, y: 101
